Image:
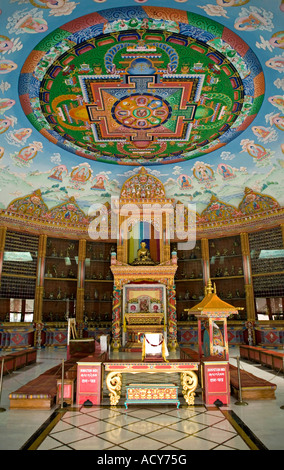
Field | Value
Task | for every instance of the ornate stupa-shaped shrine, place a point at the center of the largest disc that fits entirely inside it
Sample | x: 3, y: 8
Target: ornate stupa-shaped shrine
x: 210, y: 310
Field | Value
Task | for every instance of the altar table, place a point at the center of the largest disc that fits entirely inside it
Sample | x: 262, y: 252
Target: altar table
x: 114, y: 371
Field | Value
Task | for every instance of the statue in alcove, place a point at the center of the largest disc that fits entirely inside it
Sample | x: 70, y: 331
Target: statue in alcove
x: 143, y: 256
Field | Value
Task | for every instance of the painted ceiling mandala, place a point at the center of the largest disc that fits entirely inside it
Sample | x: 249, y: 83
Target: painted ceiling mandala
x: 141, y: 85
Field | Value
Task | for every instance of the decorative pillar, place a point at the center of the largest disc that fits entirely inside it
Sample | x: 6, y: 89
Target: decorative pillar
x: 116, y: 317
x: 251, y: 332
x: 248, y: 277
x: 122, y: 245
x: 282, y: 230
x: 225, y: 336
x: 172, y: 318
x: 38, y: 322
x: 211, y: 336
x: 3, y: 231
x: 200, y: 337
x: 205, y: 260
x: 80, y: 287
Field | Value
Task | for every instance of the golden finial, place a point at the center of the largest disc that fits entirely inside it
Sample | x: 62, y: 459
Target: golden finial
x: 209, y: 287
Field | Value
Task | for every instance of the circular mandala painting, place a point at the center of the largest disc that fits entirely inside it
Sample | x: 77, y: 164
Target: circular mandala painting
x: 141, y: 85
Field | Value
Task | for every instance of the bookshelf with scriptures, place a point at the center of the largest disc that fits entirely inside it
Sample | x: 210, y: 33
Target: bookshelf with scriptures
x: 98, y: 292
x: 60, y: 280
x: 227, y: 271
x: 267, y: 263
x: 18, y: 276
x: 189, y: 279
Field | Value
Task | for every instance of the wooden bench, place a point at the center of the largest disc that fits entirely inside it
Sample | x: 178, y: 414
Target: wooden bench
x: 188, y: 354
x: 266, y: 357
x: 151, y: 394
x: 18, y: 359
x: 253, y: 388
x: 41, y: 393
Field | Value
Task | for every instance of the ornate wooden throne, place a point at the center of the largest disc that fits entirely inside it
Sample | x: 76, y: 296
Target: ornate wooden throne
x: 143, y: 260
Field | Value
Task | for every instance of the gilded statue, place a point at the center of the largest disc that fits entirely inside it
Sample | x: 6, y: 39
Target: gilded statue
x: 143, y: 256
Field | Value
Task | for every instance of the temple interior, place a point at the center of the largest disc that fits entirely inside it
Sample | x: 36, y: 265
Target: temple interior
x: 141, y: 262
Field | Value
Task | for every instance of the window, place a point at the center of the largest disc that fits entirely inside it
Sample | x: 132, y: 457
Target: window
x: 21, y: 310
x: 269, y: 308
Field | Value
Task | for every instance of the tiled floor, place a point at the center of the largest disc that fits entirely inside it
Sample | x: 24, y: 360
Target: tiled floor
x: 259, y: 425
x: 153, y: 428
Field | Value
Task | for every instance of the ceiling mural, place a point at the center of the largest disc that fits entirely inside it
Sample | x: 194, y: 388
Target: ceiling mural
x: 141, y: 89
x: 191, y: 91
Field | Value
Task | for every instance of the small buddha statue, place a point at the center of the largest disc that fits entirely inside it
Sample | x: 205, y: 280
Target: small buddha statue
x: 48, y: 274
x: 71, y: 274
x: 187, y: 295
x: 143, y: 256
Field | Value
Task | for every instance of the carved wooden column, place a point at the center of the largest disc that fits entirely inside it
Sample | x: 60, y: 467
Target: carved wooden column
x: 205, y: 260
x: 172, y: 317
x: 282, y: 230
x: 3, y: 231
x: 80, y: 287
x: 250, y: 305
x: 116, y: 317
x: 38, y: 322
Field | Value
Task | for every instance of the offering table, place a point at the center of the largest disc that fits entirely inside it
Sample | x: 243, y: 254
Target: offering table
x: 114, y: 371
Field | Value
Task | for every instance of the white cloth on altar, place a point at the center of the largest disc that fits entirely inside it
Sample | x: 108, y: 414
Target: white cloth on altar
x: 103, y: 343
x: 154, y: 344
